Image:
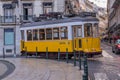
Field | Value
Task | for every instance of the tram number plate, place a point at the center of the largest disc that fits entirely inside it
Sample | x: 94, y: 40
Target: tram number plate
x: 61, y: 43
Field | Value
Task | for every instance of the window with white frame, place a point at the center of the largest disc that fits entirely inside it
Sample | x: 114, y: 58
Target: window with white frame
x: 47, y: 7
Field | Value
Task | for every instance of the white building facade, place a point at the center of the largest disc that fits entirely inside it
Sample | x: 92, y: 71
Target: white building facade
x: 114, y: 18
x: 101, y: 13
x: 15, y: 12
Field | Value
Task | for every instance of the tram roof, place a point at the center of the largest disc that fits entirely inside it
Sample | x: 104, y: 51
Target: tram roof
x: 74, y: 19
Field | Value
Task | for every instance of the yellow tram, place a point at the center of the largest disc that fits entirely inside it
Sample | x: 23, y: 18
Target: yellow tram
x: 79, y: 34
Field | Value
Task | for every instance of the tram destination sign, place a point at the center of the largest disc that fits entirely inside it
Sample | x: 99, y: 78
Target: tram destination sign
x: 86, y: 14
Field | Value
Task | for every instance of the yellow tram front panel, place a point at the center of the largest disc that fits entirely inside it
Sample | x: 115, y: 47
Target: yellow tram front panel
x: 53, y: 45
x: 87, y: 45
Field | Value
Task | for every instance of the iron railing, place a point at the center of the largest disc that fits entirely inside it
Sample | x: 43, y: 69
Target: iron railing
x: 26, y: 17
x: 7, y: 19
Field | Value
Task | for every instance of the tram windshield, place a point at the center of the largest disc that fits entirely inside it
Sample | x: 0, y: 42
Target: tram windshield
x: 95, y: 30
x: 91, y: 31
x: 88, y: 30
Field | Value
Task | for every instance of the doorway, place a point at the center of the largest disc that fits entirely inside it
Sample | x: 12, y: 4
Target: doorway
x: 9, y: 41
x: 77, y: 35
x: 27, y: 11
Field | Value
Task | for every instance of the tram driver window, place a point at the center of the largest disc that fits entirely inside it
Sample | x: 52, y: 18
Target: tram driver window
x: 35, y: 34
x: 41, y: 34
x: 88, y: 30
x: 29, y: 35
x: 64, y: 33
x: 95, y: 30
x: 55, y: 33
x: 49, y: 34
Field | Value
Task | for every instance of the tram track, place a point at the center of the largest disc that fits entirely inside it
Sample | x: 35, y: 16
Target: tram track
x: 10, y: 68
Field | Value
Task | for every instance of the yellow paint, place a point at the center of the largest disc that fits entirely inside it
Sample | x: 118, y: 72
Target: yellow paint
x: 88, y: 45
x: 53, y: 45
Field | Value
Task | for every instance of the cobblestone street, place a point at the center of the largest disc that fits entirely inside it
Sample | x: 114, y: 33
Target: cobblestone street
x: 106, y: 67
x: 41, y: 69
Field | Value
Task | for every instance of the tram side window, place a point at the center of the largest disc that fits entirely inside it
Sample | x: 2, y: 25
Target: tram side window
x: 22, y: 34
x: 41, y: 34
x: 64, y: 33
x: 79, y: 31
x: 55, y: 33
x: 75, y: 31
x: 35, y: 34
x: 29, y: 35
x: 49, y: 34
x: 88, y: 30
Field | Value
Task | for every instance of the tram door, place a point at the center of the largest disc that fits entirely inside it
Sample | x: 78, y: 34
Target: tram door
x: 77, y: 36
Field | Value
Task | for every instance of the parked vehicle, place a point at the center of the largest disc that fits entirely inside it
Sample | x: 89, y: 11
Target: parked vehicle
x: 116, y: 47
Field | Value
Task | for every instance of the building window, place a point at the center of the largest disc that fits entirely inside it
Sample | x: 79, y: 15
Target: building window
x: 47, y: 7
x: 55, y: 33
x: 27, y: 11
x: 64, y: 33
x: 49, y: 34
x: 35, y: 34
x: 9, y: 36
x: 41, y: 34
x: 29, y: 35
x: 8, y: 15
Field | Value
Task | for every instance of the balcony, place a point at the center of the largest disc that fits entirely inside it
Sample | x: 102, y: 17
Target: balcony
x: 7, y: 19
x: 26, y: 18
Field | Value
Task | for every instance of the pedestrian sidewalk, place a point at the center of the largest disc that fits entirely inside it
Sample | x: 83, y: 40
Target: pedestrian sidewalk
x: 42, y: 69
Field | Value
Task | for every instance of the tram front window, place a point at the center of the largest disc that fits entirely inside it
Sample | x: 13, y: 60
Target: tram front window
x: 88, y: 30
x: 29, y: 35
x: 95, y: 30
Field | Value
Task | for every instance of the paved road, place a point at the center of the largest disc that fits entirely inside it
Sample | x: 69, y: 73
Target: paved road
x: 6, y: 68
x: 103, y: 68
x: 106, y: 67
x: 42, y: 69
